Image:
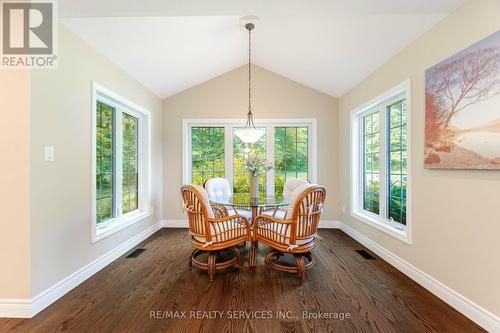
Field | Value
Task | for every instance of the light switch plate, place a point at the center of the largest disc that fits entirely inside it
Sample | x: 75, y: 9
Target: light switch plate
x: 49, y: 153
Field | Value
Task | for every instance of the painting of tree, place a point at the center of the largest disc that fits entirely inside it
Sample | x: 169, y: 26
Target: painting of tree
x: 462, y: 109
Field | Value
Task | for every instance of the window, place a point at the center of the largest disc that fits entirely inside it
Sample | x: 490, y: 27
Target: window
x: 397, y: 167
x: 380, y: 150
x: 105, y: 165
x: 207, y: 153
x: 288, y: 144
x: 290, y: 155
x: 130, y: 173
x: 371, y: 165
x: 121, y: 163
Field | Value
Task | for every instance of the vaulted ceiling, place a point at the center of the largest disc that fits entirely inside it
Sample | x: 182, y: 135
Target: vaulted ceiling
x: 328, y: 45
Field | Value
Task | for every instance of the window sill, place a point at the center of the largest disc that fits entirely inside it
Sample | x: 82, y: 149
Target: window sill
x: 377, y: 223
x: 113, y: 226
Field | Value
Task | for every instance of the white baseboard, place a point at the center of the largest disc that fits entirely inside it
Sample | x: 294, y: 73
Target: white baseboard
x: 174, y: 223
x: 15, y: 308
x: 30, y: 307
x: 471, y: 310
x: 323, y: 224
x: 329, y: 224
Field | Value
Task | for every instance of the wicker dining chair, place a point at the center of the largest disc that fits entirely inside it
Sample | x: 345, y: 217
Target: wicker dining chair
x: 212, y: 230
x: 295, y: 235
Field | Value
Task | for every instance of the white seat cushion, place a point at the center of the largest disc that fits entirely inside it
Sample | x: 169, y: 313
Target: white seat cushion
x: 303, y: 241
x: 295, y: 196
x: 288, y: 188
x: 200, y: 239
x: 291, y: 185
x: 218, y: 189
x: 205, y: 200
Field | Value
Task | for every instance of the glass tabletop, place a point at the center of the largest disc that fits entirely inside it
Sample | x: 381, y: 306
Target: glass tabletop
x: 245, y: 201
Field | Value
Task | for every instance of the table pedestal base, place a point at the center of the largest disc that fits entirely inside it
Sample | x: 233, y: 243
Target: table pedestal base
x: 252, y: 261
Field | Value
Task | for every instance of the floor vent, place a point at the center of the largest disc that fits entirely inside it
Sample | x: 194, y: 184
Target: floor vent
x: 365, y: 255
x: 135, y: 253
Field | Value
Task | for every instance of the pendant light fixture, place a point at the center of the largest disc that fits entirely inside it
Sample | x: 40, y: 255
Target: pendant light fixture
x: 249, y: 134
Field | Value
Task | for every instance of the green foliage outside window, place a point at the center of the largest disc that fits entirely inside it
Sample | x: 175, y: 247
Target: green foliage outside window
x: 130, y: 186
x: 371, y: 163
x: 207, y: 153
x: 241, y: 176
x: 397, y: 162
x: 290, y: 156
x: 104, y: 162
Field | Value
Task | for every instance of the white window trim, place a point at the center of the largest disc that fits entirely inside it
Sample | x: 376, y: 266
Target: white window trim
x: 385, y: 225
x: 144, y: 211
x: 229, y: 124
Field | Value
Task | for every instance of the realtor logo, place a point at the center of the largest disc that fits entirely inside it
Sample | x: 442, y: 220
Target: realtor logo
x: 28, y: 34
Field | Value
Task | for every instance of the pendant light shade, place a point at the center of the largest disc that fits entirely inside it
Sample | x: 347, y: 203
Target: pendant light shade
x: 249, y: 134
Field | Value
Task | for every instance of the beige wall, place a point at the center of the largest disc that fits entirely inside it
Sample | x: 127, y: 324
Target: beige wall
x: 61, y: 190
x: 456, y: 225
x: 15, y: 183
x: 273, y: 96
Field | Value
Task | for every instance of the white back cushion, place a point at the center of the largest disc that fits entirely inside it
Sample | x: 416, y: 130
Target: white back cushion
x: 218, y: 189
x: 295, y: 196
x: 291, y: 185
x: 205, y: 200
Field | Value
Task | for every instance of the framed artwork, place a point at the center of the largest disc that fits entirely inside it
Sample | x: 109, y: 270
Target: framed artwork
x: 462, y: 109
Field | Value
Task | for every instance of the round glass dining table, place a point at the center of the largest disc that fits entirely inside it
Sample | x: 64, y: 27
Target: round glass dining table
x: 256, y: 206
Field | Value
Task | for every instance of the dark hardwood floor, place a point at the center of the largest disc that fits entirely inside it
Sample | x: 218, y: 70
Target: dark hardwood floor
x: 370, y: 294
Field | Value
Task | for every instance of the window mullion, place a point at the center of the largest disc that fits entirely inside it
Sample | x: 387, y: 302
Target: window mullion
x: 118, y: 162
x: 270, y: 158
x: 140, y: 157
x: 309, y: 154
x: 189, y: 155
x: 383, y: 161
x: 228, y: 154
x: 361, y: 161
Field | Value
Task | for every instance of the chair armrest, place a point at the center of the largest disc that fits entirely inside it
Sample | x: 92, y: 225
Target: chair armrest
x: 235, y: 217
x: 229, y: 227
x: 266, y: 219
x: 219, y: 210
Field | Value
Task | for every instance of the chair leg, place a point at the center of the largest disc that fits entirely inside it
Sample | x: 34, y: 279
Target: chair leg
x: 268, y: 258
x: 301, y: 267
x: 308, y: 256
x: 240, y: 259
x: 211, y: 265
x: 191, y: 260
